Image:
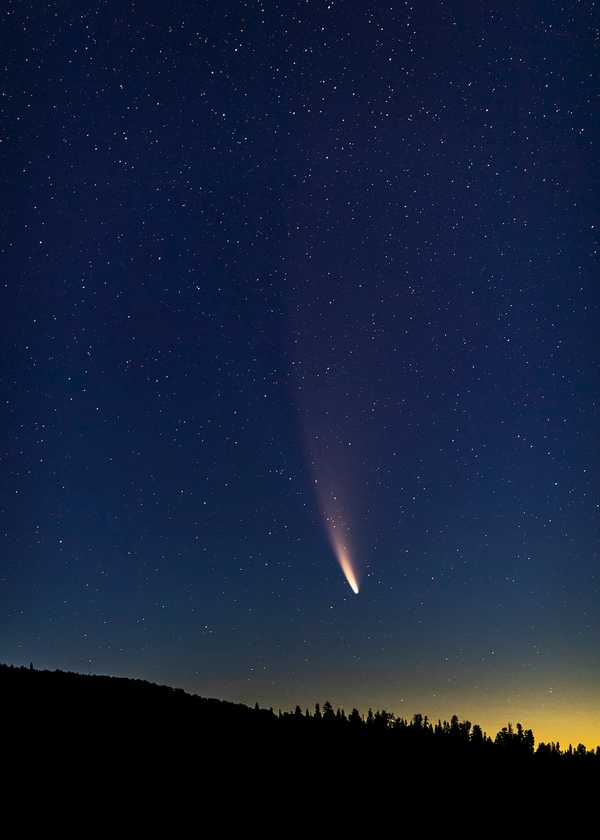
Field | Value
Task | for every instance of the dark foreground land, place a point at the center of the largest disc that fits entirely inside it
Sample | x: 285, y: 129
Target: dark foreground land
x: 132, y: 723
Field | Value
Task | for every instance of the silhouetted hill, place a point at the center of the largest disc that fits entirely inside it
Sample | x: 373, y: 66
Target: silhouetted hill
x: 116, y: 719
x: 89, y: 695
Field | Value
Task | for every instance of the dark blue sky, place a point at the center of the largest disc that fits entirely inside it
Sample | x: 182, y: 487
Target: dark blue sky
x: 257, y: 252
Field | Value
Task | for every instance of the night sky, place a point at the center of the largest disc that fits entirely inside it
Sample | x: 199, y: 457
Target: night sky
x: 281, y: 274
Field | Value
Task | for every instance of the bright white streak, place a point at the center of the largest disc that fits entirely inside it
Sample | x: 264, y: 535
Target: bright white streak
x: 343, y: 558
x: 337, y: 531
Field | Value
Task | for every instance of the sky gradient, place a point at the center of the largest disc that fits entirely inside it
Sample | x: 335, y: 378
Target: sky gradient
x: 272, y: 265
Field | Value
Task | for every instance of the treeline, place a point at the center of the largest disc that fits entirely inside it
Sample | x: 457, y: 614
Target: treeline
x: 96, y: 713
x: 455, y: 736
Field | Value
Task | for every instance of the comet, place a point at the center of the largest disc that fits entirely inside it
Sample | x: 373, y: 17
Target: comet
x: 343, y: 559
x: 342, y: 554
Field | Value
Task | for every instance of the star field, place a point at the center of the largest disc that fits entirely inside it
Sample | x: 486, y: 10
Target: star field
x: 258, y: 255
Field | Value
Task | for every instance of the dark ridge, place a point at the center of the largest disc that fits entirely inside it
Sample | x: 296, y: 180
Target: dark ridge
x: 103, y: 716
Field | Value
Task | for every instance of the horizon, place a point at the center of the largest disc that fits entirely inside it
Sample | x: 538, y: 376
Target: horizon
x: 548, y: 733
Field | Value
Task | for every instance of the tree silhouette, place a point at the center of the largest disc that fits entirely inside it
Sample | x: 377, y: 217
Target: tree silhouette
x: 141, y: 715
